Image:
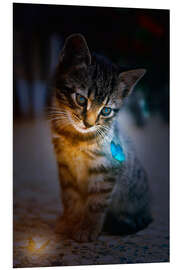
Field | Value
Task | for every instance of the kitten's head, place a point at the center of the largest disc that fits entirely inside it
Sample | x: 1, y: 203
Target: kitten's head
x: 89, y: 90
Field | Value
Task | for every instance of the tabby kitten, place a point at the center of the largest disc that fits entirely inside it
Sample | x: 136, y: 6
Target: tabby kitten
x: 97, y: 188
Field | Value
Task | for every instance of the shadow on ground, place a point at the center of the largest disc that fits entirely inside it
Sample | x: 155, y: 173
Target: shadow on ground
x: 37, y: 202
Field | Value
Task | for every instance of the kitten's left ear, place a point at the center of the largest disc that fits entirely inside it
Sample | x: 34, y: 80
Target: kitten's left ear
x: 128, y: 79
x: 75, y: 51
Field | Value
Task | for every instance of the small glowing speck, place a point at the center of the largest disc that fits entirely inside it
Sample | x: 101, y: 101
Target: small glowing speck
x: 36, y: 246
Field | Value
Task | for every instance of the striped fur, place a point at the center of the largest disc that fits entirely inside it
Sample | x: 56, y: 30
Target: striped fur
x: 94, y: 185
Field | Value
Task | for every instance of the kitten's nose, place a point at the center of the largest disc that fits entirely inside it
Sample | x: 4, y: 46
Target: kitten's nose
x: 90, y: 119
x: 87, y: 124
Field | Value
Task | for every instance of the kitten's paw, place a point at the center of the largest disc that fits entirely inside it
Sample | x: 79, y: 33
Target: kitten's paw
x: 85, y: 234
x: 81, y: 236
x: 83, y: 231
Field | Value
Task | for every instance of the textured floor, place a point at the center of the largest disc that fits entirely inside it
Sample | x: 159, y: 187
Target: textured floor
x: 37, y: 203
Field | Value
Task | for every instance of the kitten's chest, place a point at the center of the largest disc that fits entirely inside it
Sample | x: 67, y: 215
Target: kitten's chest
x: 78, y: 158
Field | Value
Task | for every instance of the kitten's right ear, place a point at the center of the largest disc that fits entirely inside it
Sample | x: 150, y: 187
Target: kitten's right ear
x: 128, y: 80
x: 75, y: 51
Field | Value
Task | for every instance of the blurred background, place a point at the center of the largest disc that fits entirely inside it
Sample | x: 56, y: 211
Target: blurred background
x: 131, y: 38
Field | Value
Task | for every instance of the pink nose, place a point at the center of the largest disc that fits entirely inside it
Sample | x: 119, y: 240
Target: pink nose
x: 90, y: 119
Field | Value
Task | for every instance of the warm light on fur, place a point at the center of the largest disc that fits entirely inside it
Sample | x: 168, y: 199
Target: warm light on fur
x: 88, y: 97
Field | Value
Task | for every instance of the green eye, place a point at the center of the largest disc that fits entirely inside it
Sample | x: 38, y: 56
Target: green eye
x: 81, y: 100
x: 106, y: 111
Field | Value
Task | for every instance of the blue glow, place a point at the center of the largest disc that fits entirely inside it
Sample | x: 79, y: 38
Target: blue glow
x: 117, y: 152
x: 82, y: 99
x: 106, y: 111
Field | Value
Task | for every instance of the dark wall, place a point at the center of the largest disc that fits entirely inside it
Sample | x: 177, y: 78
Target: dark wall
x: 133, y: 37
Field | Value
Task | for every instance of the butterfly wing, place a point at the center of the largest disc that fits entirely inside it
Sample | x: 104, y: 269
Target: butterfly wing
x: 117, y: 152
x: 113, y: 149
x: 120, y: 154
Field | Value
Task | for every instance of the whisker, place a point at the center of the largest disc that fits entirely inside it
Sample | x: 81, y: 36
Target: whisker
x: 76, y: 117
x: 63, y: 124
x: 105, y: 133
x: 52, y: 108
x: 57, y: 118
x: 57, y: 114
x: 59, y: 111
x: 100, y: 136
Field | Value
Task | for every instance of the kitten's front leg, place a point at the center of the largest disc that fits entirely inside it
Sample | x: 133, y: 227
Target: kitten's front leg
x: 91, y: 222
x: 84, y: 209
x: 73, y: 211
x: 73, y: 203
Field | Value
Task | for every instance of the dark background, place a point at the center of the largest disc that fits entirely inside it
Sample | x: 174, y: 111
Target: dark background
x: 129, y: 37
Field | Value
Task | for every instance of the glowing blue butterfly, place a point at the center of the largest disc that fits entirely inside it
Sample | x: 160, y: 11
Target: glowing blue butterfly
x: 117, y: 152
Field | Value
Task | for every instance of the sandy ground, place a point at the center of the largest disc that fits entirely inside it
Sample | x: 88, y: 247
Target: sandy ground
x: 37, y: 202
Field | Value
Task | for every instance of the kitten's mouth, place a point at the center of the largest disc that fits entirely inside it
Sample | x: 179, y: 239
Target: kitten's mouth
x: 79, y: 125
x: 82, y: 128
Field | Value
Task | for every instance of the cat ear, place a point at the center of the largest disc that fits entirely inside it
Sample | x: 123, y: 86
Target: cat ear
x: 75, y: 51
x: 128, y: 79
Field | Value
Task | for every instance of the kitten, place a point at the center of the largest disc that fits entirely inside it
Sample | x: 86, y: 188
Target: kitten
x: 98, y: 189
